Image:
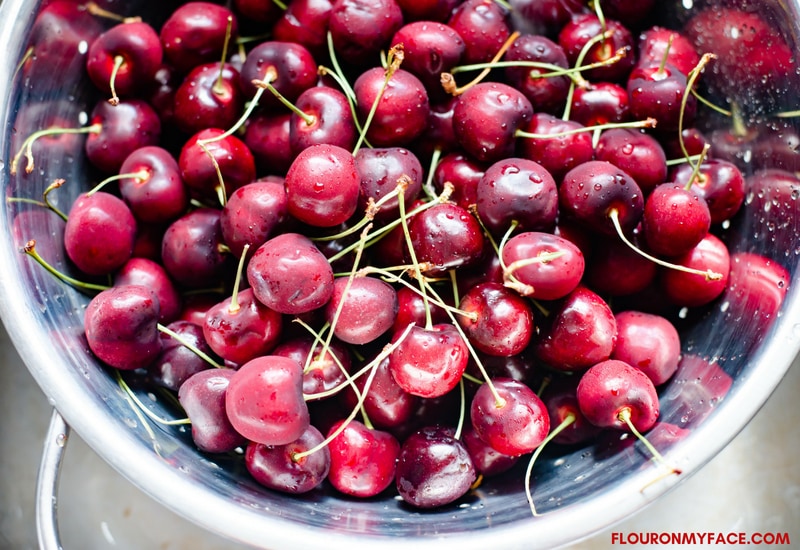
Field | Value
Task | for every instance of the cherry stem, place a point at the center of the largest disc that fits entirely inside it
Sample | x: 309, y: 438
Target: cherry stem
x: 449, y: 83
x: 373, y: 207
x: 416, y: 271
x: 646, y: 123
x: 696, y: 176
x: 142, y: 175
x: 738, y: 125
x: 30, y: 250
x: 27, y: 145
x: 692, y: 77
x: 140, y: 410
x: 579, y: 63
x: 45, y: 203
x: 462, y: 409
x: 342, y: 81
x: 690, y: 159
x: 663, y: 64
x: 188, y: 345
x: 569, y: 419
x: 96, y: 10
x: 280, y: 4
x: 118, y: 61
x: 310, y: 120
x: 218, y: 88
x: 709, y: 275
x: 234, y: 307
x: 428, y: 185
x: 624, y: 415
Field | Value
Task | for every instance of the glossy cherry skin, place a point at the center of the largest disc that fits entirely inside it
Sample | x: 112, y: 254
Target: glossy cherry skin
x: 332, y: 120
x: 691, y: 289
x: 151, y: 274
x: 202, y: 396
x: 322, y: 186
x: 578, y: 333
x: 504, y: 320
x: 160, y: 196
x: 600, y: 103
x: 100, y: 233
x: 514, y: 427
x: 487, y: 461
x: 557, y: 153
x: 264, y: 400
x: 429, y: 362
x: 290, y: 275
x: 290, y: 66
x: 138, y: 46
x: 252, y: 214
x: 322, y: 372
x: 208, y: 97
x: 609, y: 387
x: 305, y: 22
x: 546, y: 94
x: 592, y: 190
x: 125, y: 127
x: 177, y: 363
x: 636, y: 152
x: 547, y: 16
x: 574, y: 35
x: 657, y: 42
x: 194, y: 34
x: 675, y: 219
x: 242, y: 330
x: 120, y: 324
x: 445, y: 236
x: 267, y: 137
x: 464, y: 173
x: 774, y: 191
x: 657, y: 92
x: 433, y: 468
x: 562, y: 402
x: 380, y: 169
x: 720, y: 183
x: 361, y: 27
x: 486, y: 118
x: 363, y: 460
x: 616, y: 269
x: 649, y: 343
x: 363, y: 309
x: 543, y: 280
x: 191, y: 249
x: 276, y: 467
x: 209, y: 153
x: 484, y: 27
x: 258, y: 11
x: 427, y: 10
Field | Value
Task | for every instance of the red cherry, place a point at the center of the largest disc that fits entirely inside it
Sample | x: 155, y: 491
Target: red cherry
x: 363, y: 460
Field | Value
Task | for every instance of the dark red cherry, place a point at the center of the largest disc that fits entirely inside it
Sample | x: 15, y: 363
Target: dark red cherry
x: 657, y: 91
x: 692, y: 289
x: 637, y: 153
x: 264, y: 400
x: 322, y: 186
x: 464, y: 173
x: 131, y: 124
x: 363, y: 460
x: 649, y: 343
x: 445, y: 236
x: 514, y: 426
x: 611, y: 387
x: 574, y: 35
x: 486, y: 119
x: 151, y: 274
x: 675, y: 219
x: 600, y: 103
x: 562, y: 402
x: 124, y: 59
x: 547, y: 16
x: 208, y: 97
x: 578, y: 333
x: 631, y: 13
x: 330, y: 120
x: 427, y: 10
x: 559, y: 145
x: 411, y: 308
x: 288, y: 66
x: 194, y: 34
x: 517, y: 190
x: 156, y: 194
x: 775, y: 191
x: 362, y: 309
x: 258, y: 11
x: 177, y: 363
x: 433, y: 468
x: 359, y: 28
x: 546, y: 93
x: 322, y: 371
x: 210, y: 154
x: 503, y: 323
x: 487, y: 461
x: 202, y: 396
x: 305, y: 22
x: 192, y: 249
x: 99, y: 233
x: 380, y: 169
x: 267, y: 137
x: 657, y: 42
x: 719, y: 182
x: 484, y: 26
x: 252, y: 214
x: 278, y: 468
x: 121, y: 326
x: 615, y: 269
x: 290, y: 275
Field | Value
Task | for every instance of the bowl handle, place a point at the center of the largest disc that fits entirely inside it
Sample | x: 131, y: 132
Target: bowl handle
x: 47, y: 483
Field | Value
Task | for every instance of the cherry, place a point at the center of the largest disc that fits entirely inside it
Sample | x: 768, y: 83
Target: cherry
x: 439, y: 138
x: 692, y: 289
x: 675, y: 219
x: 267, y: 137
x: 660, y: 91
x: 542, y: 265
x: 517, y: 190
x: 580, y: 332
x: 258, y: 11
x: 212, y: 154
x: 120, y: 324
x: 615, y: 269
x: 252, y: 214
x: 547, y: 15
x: 657, y: 44
x: 305, y: 22
x: 591, y: 191
x: 322, y: 185
x: 484, y: 27
x: 629, y: 12
x: 195, y: 33
x: 360, y: 27
x: 327, y: 119
x: 649, y: 343
x: 429, y: 361
x: 123, y: 128
x: 503, y: 322
x: 124, y: 58
x: 290, y: 275
x: 264, y: 401
x: 600, y: 103
x: 427, y: 10
x: 486, y: 118
x: 637, y: 153
x: 719, y: 182
x: 445, y: 236
x: 202, y: 396
x: 559, y: 145
x: 546, y: 93
x: 402, y: 110
x: 562, y: 404
x: 208, y: 97
x: 380, y: 169
x: 464, y: 173
x: 155, y: 192
x: 579, y: 30
x: 99, y: 233
x: 363, y: 460
x: 487, y: 461
x: 151, y: 274
x: 433, y: 468
x: 178, y: 362
x: 515, y: 425
x: 276, y: 466
x: 361, y: 309
x: 240, y: 328
x: 413, y: 308
x: 613, y: 394
x: 289, y: 67
x: 192, y: 249
x: 325, y: 370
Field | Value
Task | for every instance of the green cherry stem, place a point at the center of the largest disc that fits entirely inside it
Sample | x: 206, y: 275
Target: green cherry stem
x: 27, y: 145
x: 188, y: 345
x: 569, y: 419
x: 30, y: 250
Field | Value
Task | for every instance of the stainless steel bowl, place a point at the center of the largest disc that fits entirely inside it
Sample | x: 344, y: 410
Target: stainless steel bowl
x: 578, y: 493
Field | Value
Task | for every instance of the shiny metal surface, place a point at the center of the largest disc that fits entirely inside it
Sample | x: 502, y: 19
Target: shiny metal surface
x: 578, y: 494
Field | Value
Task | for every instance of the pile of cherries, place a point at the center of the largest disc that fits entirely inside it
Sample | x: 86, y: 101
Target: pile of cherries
x: 398, y: 245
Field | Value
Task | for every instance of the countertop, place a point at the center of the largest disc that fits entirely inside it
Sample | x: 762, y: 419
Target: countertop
x: 753, y: 486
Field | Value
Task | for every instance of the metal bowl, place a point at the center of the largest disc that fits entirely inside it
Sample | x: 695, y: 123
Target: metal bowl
x: 578, y: 491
